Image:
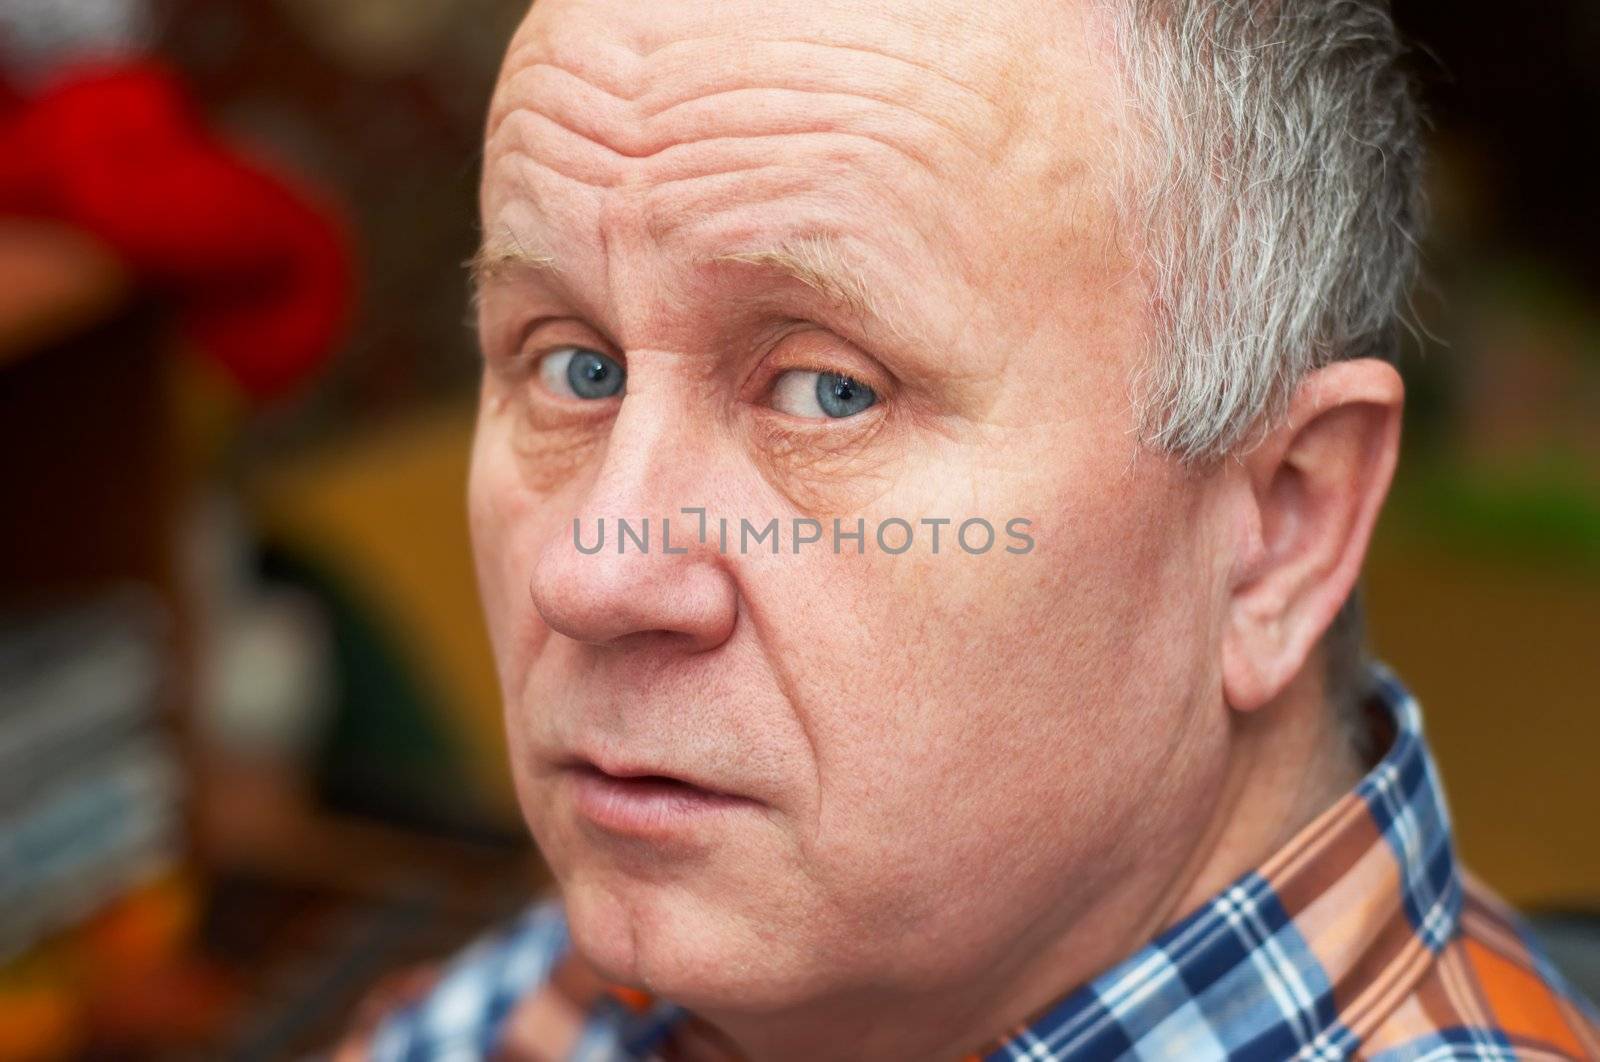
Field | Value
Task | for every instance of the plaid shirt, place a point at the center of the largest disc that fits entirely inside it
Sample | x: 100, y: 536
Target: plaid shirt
x: 1362, y: 938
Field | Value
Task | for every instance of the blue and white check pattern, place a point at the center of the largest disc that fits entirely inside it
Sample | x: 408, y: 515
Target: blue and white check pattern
x: 1236, y: 979
x: 462, y: 1018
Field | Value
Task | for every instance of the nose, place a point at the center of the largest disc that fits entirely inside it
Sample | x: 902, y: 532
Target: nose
x: 640, y: 586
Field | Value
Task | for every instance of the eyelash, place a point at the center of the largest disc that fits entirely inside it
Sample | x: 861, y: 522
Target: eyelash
x: 773, y: 367
x: 528, y: 361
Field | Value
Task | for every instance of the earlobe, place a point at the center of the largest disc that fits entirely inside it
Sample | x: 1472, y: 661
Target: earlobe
x: 1253, y: 660
x: 1312, y: 489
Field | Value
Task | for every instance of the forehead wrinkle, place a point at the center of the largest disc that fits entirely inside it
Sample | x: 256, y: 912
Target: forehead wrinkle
x: 615, y: 70
x: 697, y: 158
x: 636, y: 133
x: 703, y: 216
x: 694, y: 54
x: 778, y: 63
x: 739, y: 199
x: 702, y: 210
x: 670, y: 29
x: 549, y: 145
x: 855, y: 49
x: 684, y: 187
x: 682, y: 190
x: 639, y: 88
x: 574, y: 145
x: 595, y: 180
x: 604, y: 146
x: 691, y: 192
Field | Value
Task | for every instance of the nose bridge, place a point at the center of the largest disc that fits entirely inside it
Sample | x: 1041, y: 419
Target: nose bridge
x: 643, y: 472
x: 612, y: 571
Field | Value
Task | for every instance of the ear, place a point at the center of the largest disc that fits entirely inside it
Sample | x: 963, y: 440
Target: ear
x: 1314, y: 486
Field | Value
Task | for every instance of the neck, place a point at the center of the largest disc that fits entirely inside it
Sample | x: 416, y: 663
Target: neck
x: 1285, y: 763
x: 1289, y: 761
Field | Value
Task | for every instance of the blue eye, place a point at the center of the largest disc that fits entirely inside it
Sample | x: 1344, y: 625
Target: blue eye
x: 581, y: 373
x: 817, y: 395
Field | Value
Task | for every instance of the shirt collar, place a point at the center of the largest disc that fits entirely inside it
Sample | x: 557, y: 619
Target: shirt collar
x: 1290, y: 959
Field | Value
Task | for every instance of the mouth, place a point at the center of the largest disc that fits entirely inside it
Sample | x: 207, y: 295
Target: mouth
x: 646, y: 805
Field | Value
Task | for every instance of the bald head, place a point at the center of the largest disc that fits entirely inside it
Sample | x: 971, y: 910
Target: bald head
x: 884, y: 138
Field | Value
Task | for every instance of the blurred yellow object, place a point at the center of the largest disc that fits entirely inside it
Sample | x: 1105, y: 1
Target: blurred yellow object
x: 145, y: 928
x: 125, y: 976
x: 39, y: 1022
x: 208, y: 409
x: 1501, y: 656
x: 387, y: 510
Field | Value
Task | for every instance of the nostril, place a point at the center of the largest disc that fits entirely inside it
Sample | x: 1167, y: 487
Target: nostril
x: 670, y: 602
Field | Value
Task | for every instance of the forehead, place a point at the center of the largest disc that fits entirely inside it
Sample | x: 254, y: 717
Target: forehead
x: 918, y: 127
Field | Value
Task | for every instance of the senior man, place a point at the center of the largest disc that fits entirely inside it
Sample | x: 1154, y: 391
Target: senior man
x: 1105, y: 293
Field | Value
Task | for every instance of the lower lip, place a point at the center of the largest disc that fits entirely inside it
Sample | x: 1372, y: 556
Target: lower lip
x: 647, y: 807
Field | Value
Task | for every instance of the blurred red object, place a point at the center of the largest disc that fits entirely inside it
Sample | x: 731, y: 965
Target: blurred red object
x: 260, y: 275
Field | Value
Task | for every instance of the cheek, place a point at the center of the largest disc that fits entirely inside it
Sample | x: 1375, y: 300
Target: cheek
x: 502, y: 518
x: 1006, y: 709
x: 502, y: 512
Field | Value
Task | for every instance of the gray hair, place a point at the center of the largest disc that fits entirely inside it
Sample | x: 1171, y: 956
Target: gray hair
x: 1275, y: 178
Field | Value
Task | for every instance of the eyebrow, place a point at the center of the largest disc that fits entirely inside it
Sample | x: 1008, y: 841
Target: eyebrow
x: 821, y: 263
x: 816, y: 261
x: 493, y: 263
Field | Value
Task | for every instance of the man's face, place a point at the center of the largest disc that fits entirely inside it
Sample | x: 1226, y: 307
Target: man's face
x: 932, y: 765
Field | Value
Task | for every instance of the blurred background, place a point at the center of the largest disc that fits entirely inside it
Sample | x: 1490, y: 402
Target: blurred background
x: 250, y: 746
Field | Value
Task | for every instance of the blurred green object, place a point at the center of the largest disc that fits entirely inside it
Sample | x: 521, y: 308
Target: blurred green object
x: 1544, y: 511
x: 386, y: 752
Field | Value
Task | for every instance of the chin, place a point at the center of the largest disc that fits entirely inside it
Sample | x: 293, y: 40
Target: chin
x: 668, y: 941
x: 605, y: 932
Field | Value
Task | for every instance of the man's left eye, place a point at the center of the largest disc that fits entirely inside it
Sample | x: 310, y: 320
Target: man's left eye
x: 578, y: 372
x: 818, y: 395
